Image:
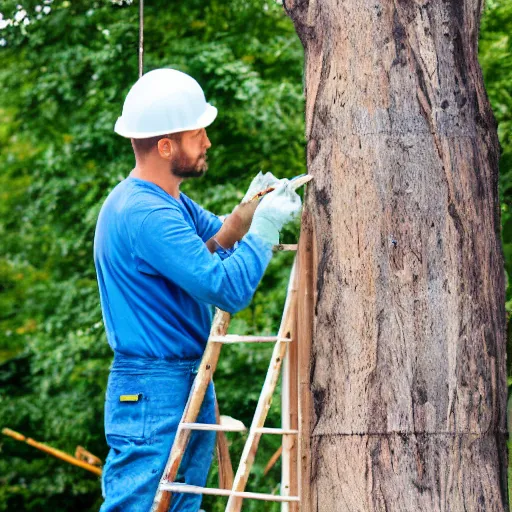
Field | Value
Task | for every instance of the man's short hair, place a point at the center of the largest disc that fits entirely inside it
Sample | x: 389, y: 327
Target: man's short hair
x: 144, y: 146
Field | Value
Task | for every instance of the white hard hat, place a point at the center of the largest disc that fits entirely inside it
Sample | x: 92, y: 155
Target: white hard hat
x: 164, y: 101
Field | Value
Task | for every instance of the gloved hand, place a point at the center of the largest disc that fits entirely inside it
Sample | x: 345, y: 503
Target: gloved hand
x: 259, y: 183
x: 238, y: 223
x: 274, y: 211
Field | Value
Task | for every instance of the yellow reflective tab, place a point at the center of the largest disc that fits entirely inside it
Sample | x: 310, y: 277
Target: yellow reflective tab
x: 129, y: 398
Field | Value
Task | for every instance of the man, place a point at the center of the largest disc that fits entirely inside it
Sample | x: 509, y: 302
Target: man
x: 162, y: 261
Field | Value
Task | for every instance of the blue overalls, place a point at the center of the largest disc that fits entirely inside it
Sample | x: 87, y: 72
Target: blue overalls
x: 140, y: 433
x: 158, y: 283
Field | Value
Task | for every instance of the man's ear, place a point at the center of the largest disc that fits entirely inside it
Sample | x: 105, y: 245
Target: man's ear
x: 165, y: 148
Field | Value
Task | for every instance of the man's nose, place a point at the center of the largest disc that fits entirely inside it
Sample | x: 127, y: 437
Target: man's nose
x: 208, y: 144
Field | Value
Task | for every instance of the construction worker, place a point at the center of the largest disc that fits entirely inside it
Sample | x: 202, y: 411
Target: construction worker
x: 162, y: 262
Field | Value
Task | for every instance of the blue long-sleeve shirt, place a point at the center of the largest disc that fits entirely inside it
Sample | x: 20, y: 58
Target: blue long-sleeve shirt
x: 158, y: 280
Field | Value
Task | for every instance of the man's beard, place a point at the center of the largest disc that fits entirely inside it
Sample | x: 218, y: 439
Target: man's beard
x: 183, y: 166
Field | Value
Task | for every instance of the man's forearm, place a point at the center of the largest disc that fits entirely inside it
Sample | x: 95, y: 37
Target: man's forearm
x: 234, y: 228
x: 231, y: 231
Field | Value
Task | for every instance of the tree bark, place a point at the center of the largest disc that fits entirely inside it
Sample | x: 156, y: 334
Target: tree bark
x: 405, y: 409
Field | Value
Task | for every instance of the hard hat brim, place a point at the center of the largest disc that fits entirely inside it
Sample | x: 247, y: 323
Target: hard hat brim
x: 204, y: 120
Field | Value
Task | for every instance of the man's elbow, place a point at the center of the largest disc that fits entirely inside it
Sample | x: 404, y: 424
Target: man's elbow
x: 236, y: 303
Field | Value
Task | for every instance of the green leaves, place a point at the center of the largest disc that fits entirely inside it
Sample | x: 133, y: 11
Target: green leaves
x: 67, y: 71
x: 496, y: 60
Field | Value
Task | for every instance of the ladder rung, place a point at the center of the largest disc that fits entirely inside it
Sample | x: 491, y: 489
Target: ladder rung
x: 194, y: 489
x: 281, y: 431
x: 235, y: 338
x: 214, y: 427
x: 285, y: 247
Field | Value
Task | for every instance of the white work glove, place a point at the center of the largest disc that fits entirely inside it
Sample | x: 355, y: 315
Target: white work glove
x: 236, y: 225
x: 274, y: 211
x: 259, y: 183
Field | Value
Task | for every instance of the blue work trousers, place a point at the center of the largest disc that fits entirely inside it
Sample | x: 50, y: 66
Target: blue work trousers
x: 144, y: 403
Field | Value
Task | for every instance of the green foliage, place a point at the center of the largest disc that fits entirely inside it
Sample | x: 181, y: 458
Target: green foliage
x: 67, y: 72
x: 496, y: 60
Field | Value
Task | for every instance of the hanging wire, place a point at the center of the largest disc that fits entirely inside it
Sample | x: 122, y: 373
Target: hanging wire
x: 141, y: 37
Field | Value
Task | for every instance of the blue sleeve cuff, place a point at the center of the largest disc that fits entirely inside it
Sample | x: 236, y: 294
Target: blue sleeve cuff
x: 259, y: 245
x: 225, y: 253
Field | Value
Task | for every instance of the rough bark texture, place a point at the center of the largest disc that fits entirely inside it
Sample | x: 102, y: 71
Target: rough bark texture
x: 406, y: 370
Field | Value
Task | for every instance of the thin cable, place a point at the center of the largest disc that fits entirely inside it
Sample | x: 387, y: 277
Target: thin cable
x: 141, y: 37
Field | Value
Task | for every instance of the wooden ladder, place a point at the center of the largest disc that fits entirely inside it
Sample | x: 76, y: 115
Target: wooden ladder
x: 235, y: 488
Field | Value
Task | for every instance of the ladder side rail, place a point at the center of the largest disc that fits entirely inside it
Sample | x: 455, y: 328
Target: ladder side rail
x: 203, y: 378
x: 251, y: 445
x: 307, y: 263
x: 226, y: 474
x: 290, y: 422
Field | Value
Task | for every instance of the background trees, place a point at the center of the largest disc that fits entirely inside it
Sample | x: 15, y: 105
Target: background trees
x: 64, y: 75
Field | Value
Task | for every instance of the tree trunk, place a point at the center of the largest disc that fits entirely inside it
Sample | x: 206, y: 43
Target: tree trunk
x: 404, y: 310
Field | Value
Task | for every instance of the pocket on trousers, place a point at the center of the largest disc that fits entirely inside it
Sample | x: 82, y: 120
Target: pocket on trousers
x: 126, y: 418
